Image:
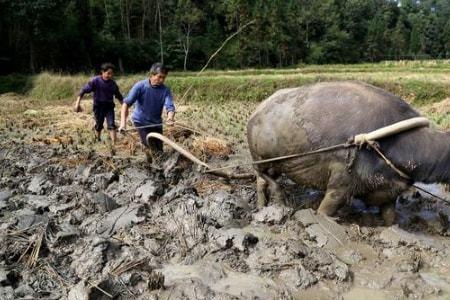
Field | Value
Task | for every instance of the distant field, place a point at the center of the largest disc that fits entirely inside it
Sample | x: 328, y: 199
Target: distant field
x: 219, y: 102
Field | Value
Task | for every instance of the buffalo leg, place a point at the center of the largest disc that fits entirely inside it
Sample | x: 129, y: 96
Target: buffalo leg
x: 388, y: 213
x: 385, y: 199
x: 378, y: 198
x: 337, y: 192
x: 276, y: 194
x: 261, y: 188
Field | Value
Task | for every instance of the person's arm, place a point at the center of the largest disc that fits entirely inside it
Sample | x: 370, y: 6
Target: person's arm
x: 123, y: 117
x: 171, y: 117
x: 127, y: 102
x: 88, y: 88
x: 77, y: 104
x: 118, y: 95
x: 170, y: 108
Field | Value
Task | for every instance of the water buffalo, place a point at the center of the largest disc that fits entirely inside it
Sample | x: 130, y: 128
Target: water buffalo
x: 297, y: 120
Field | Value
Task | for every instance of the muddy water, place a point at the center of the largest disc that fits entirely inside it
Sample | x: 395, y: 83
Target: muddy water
x: 420, y: 216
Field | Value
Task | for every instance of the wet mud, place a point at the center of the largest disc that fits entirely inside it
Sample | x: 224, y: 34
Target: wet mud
x: 77, y: 225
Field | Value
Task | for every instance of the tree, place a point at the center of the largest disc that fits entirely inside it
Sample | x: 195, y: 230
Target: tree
x: 78, y: 35
x: 400, y: 37
x: 187, y: 16
x: 355, y: 16
x: 376, y: 41
x: 446, y: 39
x: 431, y: 44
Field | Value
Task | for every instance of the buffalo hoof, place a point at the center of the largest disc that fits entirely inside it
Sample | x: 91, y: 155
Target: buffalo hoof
x: 388, y: 214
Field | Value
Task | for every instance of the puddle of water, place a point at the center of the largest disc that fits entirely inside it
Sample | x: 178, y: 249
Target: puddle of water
x: 222, y: 280
x: 367, y: 294
x: 439, y: 277
x: 437, y: 281
x: 318, y: 292
x: 246, y: 285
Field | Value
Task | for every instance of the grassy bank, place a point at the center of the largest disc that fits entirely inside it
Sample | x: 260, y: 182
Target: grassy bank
x: 418, y: 82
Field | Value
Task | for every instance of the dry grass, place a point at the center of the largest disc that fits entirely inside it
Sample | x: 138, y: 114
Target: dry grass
x: 439, y: 113
x: 33, y: 237
x: 175, y: 132
x: 211, y: 146
x: 206, y: 186
x: 123, y: 267
x: 225, y: 121
x: 60, y: 140
x: 442, y: 107
x: 216, y: 128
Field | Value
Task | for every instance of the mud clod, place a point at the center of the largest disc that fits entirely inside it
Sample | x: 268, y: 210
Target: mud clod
x: 120, y: 218
x: 272, y: 215
x: 149, y: 191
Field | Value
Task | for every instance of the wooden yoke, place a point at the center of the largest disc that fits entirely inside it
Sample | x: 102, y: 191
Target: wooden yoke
x: 386, y: 131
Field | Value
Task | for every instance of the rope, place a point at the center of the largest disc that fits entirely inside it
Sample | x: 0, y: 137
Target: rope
x: 376, y: 147
x: 257, y: 162
x: 143, y: 127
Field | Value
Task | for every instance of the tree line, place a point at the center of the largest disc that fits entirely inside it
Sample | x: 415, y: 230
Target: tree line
x: 77, y: 35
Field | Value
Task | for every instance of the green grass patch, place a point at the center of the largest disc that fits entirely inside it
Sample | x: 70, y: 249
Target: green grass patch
x: 419, y: 82
x: 14, y: 83
x: 441, y: 120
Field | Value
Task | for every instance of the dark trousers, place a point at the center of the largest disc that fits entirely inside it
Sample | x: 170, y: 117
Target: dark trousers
x: 153, y: 144
x: 104, y: 111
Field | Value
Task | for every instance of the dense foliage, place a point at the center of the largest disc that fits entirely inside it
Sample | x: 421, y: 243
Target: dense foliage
x: 77, y: 35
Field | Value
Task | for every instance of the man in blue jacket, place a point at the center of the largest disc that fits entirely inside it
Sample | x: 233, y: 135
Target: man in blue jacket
x: 150, y: 96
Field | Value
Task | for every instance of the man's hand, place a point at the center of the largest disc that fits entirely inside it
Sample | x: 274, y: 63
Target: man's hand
x: 123, y: 118
x: 77, y: 108
x: 170, y: 122
x: 122, y: 129
x: 170, y: 118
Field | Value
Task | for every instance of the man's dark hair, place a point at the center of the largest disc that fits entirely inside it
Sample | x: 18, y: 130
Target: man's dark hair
x: 106, y: 66
x: 158, y: 68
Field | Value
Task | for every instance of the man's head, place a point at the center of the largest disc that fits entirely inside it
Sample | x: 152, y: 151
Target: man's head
x: 158, y: 73
x: 107, y: 70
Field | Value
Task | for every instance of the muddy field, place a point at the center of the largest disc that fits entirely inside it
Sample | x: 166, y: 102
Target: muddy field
x: 78, y: 223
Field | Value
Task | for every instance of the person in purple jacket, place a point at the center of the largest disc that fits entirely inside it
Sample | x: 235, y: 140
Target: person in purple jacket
x: 104, y: 89
x: 150, y: 96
